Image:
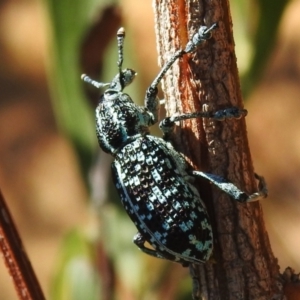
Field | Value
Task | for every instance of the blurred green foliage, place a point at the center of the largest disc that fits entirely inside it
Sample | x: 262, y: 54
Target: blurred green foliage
x: 68, y: 22
x: 255, y: 26
x: 76, y: 277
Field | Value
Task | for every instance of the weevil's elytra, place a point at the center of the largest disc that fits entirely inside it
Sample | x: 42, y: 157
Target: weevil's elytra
x: 153, y: 180
x: 165, y: 208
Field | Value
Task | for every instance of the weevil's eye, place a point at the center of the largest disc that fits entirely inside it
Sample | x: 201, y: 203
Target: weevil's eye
x: 119, y: 83
x: 128, y: 76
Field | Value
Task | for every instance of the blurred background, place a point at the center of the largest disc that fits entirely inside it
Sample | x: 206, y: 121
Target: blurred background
x: 52, y: 174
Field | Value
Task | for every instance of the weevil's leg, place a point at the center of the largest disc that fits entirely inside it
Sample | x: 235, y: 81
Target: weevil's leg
x: 139, y: 240
x: 201, y: 36
x: 232, y: 190
x: 204, y: 33
x: 151, y: 101
x: 167, y: 124
x: 195, y: 279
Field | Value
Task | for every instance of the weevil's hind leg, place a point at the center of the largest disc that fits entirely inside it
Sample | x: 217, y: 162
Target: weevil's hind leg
x: 194, y: 272
x: 139, y: 240
x: 232, y: 190
x: 167, y: 124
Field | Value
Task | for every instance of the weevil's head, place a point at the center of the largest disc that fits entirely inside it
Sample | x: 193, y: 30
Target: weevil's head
x: 122, y: 79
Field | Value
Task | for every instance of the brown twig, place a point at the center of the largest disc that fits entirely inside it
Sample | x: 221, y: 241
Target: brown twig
x: 244, y: 267
x: 15, y: 257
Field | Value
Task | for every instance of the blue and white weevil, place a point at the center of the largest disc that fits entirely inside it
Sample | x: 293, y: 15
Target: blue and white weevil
x: 154, y: 180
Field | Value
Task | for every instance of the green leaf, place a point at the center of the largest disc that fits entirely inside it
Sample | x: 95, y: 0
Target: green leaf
x: 68, y: 22
x: 76, y: 278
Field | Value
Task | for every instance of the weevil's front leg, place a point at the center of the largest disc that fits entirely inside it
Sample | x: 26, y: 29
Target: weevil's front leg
x: 232, y: 190
x: 167, y: 124
x: 151, y: 101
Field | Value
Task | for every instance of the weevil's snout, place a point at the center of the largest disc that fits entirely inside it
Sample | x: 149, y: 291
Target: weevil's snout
x: 128, y: 76
x: 122, y: 80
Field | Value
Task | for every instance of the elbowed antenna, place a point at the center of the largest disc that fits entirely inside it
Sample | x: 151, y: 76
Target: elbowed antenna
x: 120, y: 39
x: 89, y: 80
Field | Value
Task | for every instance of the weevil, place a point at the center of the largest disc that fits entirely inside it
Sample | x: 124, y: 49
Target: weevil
x: 153, y: 180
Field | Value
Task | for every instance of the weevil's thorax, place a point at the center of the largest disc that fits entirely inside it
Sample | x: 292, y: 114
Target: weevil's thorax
x: 119, y: 121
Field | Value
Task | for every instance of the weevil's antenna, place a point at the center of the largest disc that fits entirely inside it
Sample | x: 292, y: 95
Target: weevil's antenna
x: 98, y: 85
x: 120, y: 39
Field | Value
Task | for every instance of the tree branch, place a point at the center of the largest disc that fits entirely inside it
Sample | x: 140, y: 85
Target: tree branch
x: 15, y: 257
x: 244, y: 267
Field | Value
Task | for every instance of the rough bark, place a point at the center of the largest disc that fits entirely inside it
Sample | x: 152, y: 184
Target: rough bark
x: 16, y: 259
x: 243, y: 265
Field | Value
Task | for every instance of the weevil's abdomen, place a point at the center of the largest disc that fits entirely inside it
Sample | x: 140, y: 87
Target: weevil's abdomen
x: 152, y: 182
